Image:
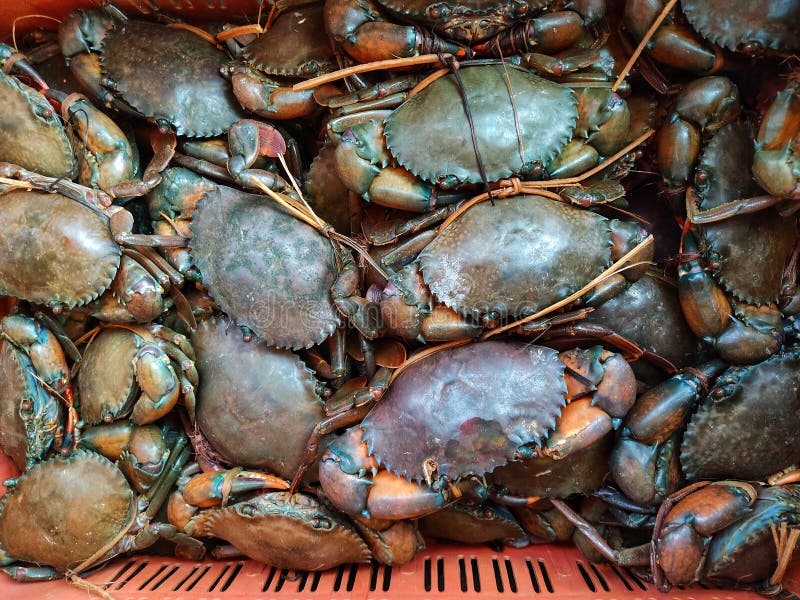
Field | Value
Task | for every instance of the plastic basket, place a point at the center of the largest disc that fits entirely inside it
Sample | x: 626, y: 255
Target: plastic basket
x: 441, y: 572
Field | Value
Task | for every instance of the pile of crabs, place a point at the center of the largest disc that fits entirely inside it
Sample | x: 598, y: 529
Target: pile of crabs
x: 316, y: 286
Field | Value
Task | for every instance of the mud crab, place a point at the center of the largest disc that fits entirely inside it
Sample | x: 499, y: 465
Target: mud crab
x: 734, y: 533
x: 90, y: 489
x: 754, y: 28
x: 477, y: 289
x: 294, y: 47
x: 735, y: 277
x: 462, y: 28
x: 35, y: 393
x: 154, y: 369
x: 476, y: 432
x: 290, y: 531
x: 411, y: 159
x: 470, y: 524
x: 51, y: 214
x: 266, y: 269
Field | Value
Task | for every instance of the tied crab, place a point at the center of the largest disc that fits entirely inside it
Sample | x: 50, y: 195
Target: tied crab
x: 367, y: 30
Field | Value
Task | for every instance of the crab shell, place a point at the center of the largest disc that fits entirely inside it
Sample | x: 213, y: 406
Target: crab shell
x: 25, y: 435
x: 470, y: 524
x: 105, y: 397
x: 36, y: 265
x: 467, y: 21
x: 772, y: 24
x: 171, y: 75
x: 752, y: 248
x: 257, y: 405
x: 429, y: 135
x: 33, y: 136
x: 64, y: 510
x: 265, y: 268
x: 284, y: 530
x: 466, y: 410
x: 295, y: 45
x: 746, y: 426
x: 482, y: 262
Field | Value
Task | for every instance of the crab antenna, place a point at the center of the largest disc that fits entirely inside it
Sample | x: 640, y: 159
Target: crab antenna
x: 635, y: 56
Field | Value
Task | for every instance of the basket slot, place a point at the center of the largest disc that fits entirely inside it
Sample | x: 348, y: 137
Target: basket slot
x: 197, y: 579
x: 498, y: 577
x: 161, y: 581
x: 636, y: 580
x: 147, y: 581
x: 512, y: 579
x: 132, y: 574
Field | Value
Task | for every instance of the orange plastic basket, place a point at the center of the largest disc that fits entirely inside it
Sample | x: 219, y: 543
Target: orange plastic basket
x: 442, y: 572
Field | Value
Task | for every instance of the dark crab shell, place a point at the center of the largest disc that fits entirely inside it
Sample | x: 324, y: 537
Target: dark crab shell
x: 36, y: 267
x: 430, y: 136
x: 295, y: 45
x: 749, y: 431
x: 24, y: 436
x: 172, y: 75
x: 33, y: 136
x: 284, y: 530
x: 266, y: 269
x: 469, y: 21
x: 484, y: 260
x: 105, y: 397
x: 466, y: 410
x: 745, y: 551
x: 774, y: 24
x: 257, y: 405
x: 64, y: 510
x: 470, y: 524
x: 752, y: 249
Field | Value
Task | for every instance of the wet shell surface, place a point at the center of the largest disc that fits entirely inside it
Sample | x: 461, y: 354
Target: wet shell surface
x: 266, y: 269
x: 483, y: 261
x: 171, y: 75
x: 62, y: 511
x: 466, y: 410
x: 35, y: 266
x: 257, y: 405
x: 430, y: 136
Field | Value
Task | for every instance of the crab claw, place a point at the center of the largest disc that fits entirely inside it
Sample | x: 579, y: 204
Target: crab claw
x: 213, y: 488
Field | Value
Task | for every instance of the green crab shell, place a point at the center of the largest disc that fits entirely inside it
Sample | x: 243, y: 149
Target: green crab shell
x: 468, y: 21
x: 24, y: 437
x: 745, y: 551
x: 106, y: 378
x: 284, y: 530
x: 257, y: 405
x: 33, y: 136
x: 295, y: 45
x: 774, y: 24
x: 466, y: 410
x: 172, y: 75
x: 516, y: 257
x: 64, y: 510
x: 265, y: 268
x: 750, y: 432
x: 54, y: 249
x: 429, y: 134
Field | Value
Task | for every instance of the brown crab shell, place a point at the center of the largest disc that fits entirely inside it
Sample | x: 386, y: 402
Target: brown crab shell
x: 33, y: 136
x: 468, y: 21
x: 264, y: 268
x: 746, y: 427
x: 17, y: 384
x: 36, y: 265
x: 257, y: 405
x: 172, y: 75
x: 753, y: 249
x: 472, y: 524
x: 295, y: 45
x: 429, y: 135
x: 466, y: 410
x: 773, y: 24
x: 284, y: 530
x: 106, y: 379
x: 64, y: 510
x: 516, y: 257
